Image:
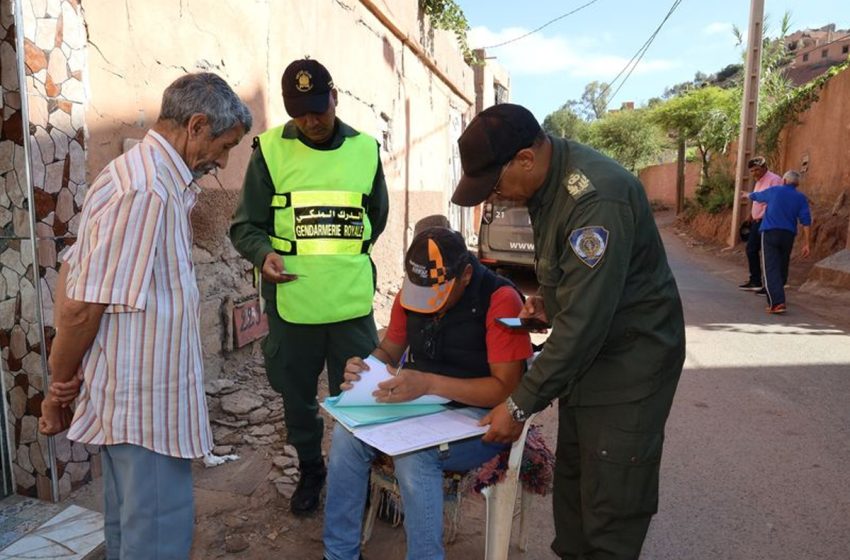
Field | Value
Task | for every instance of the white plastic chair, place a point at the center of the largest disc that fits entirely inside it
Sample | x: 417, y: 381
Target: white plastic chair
x: 500, y: 500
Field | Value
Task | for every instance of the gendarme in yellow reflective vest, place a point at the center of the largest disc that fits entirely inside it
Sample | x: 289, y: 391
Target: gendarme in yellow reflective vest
x: 321, y: 227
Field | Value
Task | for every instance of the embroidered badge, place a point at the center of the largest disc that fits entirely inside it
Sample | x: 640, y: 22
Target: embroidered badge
x: 578, y: 184
x: 589, y: 244
x: 303, y: 81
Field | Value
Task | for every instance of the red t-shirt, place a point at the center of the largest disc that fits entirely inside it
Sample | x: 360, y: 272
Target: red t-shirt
x: 503, y: 344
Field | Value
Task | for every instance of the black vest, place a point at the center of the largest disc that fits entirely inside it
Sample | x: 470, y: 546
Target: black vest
x: 456, y: 343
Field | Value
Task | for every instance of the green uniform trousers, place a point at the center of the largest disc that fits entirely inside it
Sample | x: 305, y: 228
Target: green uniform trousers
x: 295, y: 356
x: 606, y: 476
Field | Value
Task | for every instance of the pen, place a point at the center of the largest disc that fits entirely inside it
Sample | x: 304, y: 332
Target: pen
x: 402, y: 361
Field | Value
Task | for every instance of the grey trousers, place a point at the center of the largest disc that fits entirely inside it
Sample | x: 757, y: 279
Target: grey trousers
x: 148, y: 504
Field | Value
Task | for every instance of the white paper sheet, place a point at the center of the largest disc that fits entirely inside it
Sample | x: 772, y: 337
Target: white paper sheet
x: 417, y: 433
x: 361, y: 393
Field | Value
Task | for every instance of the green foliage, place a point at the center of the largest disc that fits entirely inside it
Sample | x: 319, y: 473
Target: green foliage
x: 630, y: 136
x: 789, y: 106
x: 728, y: 72
x: 716, y: 193
x: 706, y: 117
x: 594, y: 100
x: 565, y: 123
x: 773, y: 82
x: 448, y: 15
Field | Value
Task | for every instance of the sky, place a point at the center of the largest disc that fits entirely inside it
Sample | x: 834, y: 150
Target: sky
x: 554, y: 64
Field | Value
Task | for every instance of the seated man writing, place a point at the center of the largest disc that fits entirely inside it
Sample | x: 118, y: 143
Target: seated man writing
x: 446, y: 313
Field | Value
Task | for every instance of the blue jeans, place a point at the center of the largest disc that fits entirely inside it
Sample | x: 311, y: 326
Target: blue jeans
x: 420, y: 478
x: 148, y: 504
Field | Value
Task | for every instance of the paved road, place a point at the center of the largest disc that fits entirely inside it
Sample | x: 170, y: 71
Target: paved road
x: 757, y: 455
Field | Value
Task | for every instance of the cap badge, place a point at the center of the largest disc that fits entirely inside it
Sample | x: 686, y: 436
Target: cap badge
x: 589, y: 244
x: 303, y: 81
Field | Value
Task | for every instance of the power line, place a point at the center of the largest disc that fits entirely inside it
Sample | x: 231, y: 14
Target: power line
x: 547, y: 24
x: 635, y: 60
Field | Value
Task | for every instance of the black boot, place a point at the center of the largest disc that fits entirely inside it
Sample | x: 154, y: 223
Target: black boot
x: 305, y: 499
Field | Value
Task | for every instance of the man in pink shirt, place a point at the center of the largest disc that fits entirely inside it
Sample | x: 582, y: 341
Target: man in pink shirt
x: 764, y: 178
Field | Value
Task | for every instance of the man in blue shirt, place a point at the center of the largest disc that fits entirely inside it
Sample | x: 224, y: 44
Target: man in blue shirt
x: 785, y: 207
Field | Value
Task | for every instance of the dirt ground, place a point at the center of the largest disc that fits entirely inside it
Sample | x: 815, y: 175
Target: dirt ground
x: 242, y: 507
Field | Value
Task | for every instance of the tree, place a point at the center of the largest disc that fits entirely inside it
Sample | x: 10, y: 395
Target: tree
x: 565, y: 122
x: 594, y: 100
x: 705, y: 117
x: 631, y: 137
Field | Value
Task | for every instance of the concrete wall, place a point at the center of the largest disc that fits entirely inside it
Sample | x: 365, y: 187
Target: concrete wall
x: 660, y: 182
x: 96, y: 72
x: 817, y: 143
x: 385, y: 89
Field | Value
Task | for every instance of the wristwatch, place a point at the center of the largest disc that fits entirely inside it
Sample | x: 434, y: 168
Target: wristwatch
x: 515, y: 411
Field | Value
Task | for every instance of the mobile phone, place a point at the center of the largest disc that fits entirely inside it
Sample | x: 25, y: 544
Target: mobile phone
x: 524, y: 323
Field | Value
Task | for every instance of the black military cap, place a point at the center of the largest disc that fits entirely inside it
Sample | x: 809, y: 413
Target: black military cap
x: 490, y: 141
x: 306, y: 86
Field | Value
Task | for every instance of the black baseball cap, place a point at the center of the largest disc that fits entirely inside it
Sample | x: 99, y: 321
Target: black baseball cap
x: 490, y: 141
x: 436, y: 257
x: 306, y: 85
x: 757, y: 161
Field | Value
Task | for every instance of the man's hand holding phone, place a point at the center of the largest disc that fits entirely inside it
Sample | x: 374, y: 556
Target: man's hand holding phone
x: 273, y: 270
x: 532, y: 317
x: 524, y: 324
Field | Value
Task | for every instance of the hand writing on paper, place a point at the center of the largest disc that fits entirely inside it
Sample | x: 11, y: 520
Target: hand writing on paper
x: 406, y: 385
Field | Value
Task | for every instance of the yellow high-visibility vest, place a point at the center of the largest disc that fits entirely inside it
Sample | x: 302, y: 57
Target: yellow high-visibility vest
x: 321, y: 227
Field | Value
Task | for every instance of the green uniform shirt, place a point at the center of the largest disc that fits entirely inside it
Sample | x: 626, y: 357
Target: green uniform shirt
x: 253, y: 220
x: 617, y: 327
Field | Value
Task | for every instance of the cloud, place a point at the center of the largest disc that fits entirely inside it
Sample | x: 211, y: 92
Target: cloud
x: 717, y: 28
x: 538, y: 54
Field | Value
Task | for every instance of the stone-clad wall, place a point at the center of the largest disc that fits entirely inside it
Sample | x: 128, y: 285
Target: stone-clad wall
x: 405, y: 84
x: 55, y: 46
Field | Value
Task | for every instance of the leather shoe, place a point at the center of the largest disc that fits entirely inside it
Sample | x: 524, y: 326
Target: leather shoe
x: 305, y: 499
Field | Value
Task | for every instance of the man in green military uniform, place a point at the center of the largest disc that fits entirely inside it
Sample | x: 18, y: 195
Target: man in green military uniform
x: 617, y: 345
x: 313, y: 203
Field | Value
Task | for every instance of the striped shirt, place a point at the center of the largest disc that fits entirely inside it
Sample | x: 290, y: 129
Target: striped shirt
x: 143, y: 375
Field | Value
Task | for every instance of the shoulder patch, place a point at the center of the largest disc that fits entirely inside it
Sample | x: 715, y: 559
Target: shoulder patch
x: 589, y: 244
x: 577, y: 184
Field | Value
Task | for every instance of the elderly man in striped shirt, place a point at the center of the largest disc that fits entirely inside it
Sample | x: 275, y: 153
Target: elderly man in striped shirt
x: 127, y: 319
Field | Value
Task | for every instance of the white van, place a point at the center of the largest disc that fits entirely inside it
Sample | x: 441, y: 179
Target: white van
x: 505, y: 237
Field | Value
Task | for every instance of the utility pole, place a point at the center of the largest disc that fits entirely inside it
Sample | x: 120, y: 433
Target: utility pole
x: 680, y: 176
x: 749, y: 112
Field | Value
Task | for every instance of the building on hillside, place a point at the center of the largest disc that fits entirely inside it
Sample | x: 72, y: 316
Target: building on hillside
x: 87, y: 81
x: 815, y: 51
